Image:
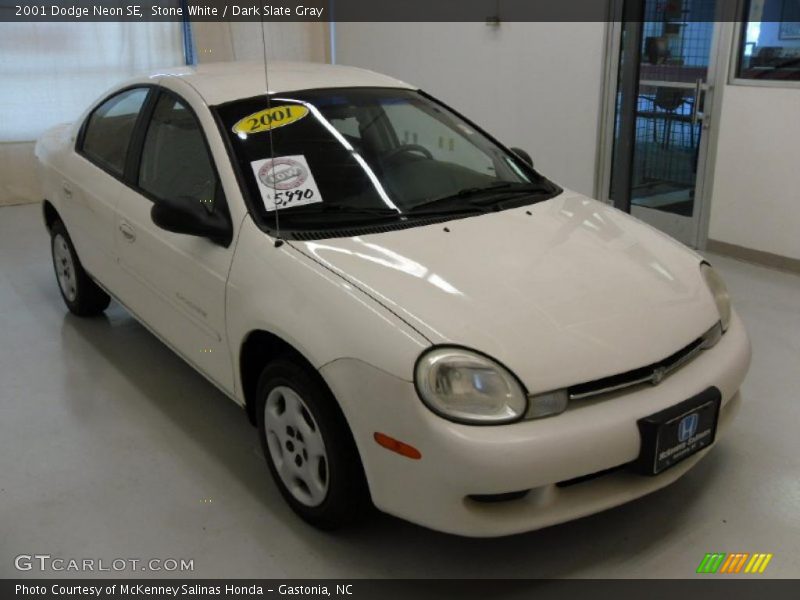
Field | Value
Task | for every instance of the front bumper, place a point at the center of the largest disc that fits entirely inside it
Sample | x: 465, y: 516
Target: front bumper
x: 459, y: 461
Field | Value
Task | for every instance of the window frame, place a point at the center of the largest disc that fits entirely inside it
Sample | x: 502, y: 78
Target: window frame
x: 130, y: 175
x: 737, y: 49
x: 143, y: 112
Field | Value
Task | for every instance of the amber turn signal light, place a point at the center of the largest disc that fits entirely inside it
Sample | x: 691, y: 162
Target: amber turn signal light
x: 397, y: 446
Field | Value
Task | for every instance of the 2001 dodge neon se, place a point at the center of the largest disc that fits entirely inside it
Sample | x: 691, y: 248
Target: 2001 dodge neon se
x: 409, y: 312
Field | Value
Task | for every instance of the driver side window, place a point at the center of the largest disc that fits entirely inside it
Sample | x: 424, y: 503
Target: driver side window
x: 175, y: 161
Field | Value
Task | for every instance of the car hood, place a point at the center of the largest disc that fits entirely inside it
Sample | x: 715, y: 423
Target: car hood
x: 562, y: 292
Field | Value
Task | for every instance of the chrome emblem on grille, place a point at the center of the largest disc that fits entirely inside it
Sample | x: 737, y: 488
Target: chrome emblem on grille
x: 658, y: 375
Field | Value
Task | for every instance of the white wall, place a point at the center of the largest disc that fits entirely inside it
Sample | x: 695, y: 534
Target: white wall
x: 222, y: 41
x: 756, y: 195
x: 303, y: 41
x: 533, y: 85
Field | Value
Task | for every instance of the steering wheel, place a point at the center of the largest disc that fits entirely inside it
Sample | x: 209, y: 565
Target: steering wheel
x: 406, y: 148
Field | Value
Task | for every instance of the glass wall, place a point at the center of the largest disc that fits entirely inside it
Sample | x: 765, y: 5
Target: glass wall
x: 770, y: 41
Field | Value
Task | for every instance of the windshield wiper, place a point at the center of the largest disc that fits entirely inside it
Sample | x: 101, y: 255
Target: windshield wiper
x: 337, y: 212
x: 364, y: 210
x: 382, y: 213
x: 328, y: 210
x: 424, y: 211
x: 500, y: 189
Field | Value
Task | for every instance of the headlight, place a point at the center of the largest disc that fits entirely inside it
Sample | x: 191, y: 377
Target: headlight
x: 720, y: 293
x: 467, y: 387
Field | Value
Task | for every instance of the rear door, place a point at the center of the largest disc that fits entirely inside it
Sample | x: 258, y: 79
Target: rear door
x: 95, y: 180
x: 176, y: 283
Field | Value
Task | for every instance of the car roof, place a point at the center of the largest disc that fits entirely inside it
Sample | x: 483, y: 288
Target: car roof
x: 224, y: 82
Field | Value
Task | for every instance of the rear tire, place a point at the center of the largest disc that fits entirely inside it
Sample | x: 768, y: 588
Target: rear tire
x: 309, y: 448
x: 82, y: 296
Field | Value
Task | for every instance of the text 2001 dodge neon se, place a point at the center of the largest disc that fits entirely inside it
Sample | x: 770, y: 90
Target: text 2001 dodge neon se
x: 409, y: 312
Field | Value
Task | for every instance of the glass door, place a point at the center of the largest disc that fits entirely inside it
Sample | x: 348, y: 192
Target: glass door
x: 662, y: 118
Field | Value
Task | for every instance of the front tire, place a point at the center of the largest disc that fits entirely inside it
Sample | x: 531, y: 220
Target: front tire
x: 82, y: 296
x: 308, y: 446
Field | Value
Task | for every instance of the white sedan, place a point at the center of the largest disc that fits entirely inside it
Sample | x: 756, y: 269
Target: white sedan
x: 410, y: 313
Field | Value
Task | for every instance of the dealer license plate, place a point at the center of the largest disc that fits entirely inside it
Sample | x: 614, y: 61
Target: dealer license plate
x: 676, y: 433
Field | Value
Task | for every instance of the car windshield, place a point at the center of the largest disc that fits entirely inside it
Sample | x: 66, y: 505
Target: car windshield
x: 338, y: 157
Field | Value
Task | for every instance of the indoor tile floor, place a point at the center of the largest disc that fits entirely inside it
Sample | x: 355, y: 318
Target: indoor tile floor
x: 112, y: 447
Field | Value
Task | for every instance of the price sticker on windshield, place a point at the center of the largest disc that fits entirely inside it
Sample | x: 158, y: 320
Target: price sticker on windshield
x: 285, y: 182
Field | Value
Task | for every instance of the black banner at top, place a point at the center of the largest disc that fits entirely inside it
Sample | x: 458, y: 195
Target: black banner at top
x: 489, y: 11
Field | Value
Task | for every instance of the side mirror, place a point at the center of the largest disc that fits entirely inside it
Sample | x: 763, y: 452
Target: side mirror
x: 188, y: 216
x: 523, y: 155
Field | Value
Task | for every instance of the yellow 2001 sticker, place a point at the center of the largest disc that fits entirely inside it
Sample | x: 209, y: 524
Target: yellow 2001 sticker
x: 271, y: 118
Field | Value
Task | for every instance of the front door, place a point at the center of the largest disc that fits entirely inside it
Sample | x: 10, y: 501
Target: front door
x: 663, y: 113
x: 176, y: 283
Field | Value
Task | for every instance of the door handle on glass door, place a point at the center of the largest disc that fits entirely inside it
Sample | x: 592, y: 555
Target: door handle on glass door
x: 696, y: 114
x: 127, y: 232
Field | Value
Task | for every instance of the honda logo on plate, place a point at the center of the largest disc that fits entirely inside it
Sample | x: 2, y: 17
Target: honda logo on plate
x: 687, y: 427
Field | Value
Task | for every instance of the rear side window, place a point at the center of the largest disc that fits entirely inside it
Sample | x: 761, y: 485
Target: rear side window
x: 175, y: 161
x: 109, y: 129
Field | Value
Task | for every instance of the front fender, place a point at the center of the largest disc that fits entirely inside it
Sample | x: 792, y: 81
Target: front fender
x: 322, y: 315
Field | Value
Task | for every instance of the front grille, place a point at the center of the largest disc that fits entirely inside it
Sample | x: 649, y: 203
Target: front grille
x: 493, y: 498
x: 652, y: 374
x: 589, y: 477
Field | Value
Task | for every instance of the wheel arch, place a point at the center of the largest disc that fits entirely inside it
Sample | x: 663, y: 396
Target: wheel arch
x: 258, y: 348
x: 50, y: 214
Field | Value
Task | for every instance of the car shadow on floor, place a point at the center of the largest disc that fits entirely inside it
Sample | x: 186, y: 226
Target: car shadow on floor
x: 382, y: 546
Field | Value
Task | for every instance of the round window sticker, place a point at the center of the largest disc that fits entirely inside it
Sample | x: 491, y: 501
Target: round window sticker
x: 282, y: 174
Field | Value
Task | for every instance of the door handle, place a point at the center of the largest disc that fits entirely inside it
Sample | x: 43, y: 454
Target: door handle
x: 67, y: 192
x: 696, y: 114
x: 127, y: 232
